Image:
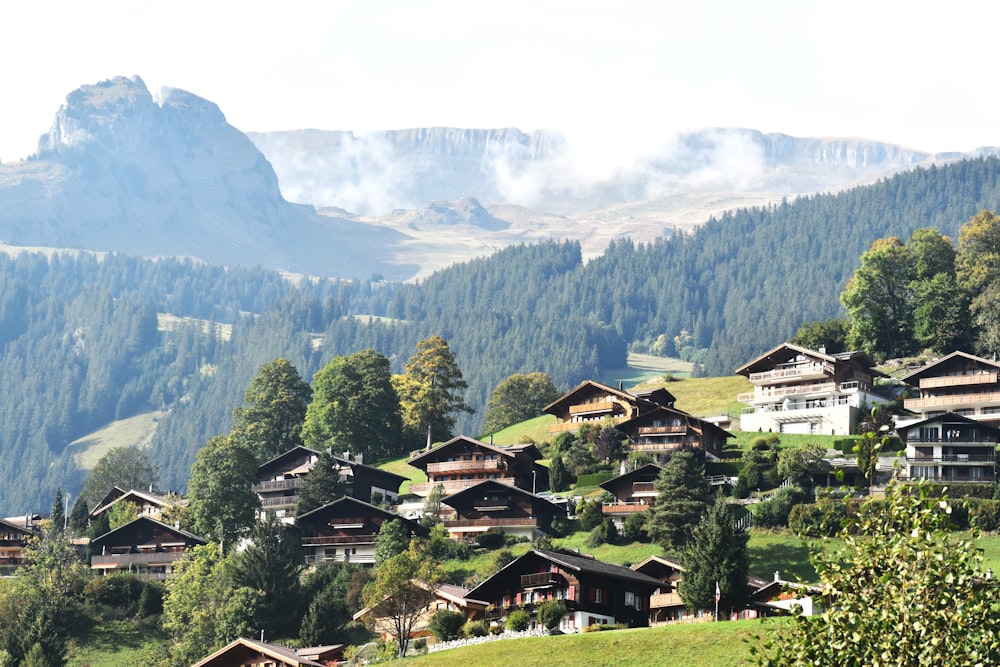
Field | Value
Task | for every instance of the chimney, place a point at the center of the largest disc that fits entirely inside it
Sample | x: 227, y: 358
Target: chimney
x: 621, y: 385
x: 822, y: 349
x: 777, y: 575
x: 359, y: 458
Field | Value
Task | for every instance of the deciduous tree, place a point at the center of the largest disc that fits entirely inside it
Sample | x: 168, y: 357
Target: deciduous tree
x: 430, y: 392
x: 274, y: 408
x: 518, y: 397
x: 223, y: 504
x: 125, y: 467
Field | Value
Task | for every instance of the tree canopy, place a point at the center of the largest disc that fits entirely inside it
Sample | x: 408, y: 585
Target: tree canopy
x: 125, y: 467
x: 717, y: 555
x: 222, y: 502
x: 519, y: 397
x: 682, y: 495
x: 274, y: 407
x: 430, y: 392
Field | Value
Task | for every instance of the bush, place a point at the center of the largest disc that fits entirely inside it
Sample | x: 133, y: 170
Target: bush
x: 985, y: 514
x: 550, y: 613
x: 446, y: 624
x: 605, y: 533
x: 475, y: 629
x: 419, y: 644
x: 518, y: 621
x: 822, y: 519
x: 773, y: 512
x: 590, y: 514
x: 635, y: 527
x: 491, y: 539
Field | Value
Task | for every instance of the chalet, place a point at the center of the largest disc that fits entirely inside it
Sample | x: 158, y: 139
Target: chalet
x: 959, y: 383
x: 662, y: 430
x: 950, y: 448
x: 593, y: 402
x: 633, y: 492
x: 798, y: 390
x: 14, y: 533
x: 445, y: 597
x: 779, y: 597
x: 463, y: 462
x: 279, y: 480
x: 490, y: 504
x: 594, y: 592
x: 345, y: 530
x: 243, y: 652
x: 144, y: 545
x: 665, y: 604
x: 148, y: 503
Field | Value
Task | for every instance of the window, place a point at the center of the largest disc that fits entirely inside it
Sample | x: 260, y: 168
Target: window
x: 598, y: 595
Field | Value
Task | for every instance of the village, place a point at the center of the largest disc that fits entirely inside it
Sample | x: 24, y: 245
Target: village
x: 949, y: 429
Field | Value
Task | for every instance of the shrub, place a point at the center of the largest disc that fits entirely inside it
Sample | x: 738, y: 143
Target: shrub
x: 590, y: 515
x: 518, y: 621
x: 985, y: 514
x: 635, y: 527
x: 475, y: 629
x: 822, y: 519
x: 550, y: 613
x: 773, y: 512
x: 419, y: 644
x: 491, y: 539
x: 605, y: 533
x: 447, y: 625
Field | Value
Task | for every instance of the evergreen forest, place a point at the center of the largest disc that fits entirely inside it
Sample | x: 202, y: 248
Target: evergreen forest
x: 87, y: 339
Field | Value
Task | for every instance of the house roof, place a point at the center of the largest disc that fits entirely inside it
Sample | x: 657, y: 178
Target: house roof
x: 571, y: 562
x: 132, y: 525
x: 650, y: 470
x: 286, y: 655
x: 932, y: 367
x: 450, y: 592
x: 127, y: 496
x: 658, y: 560
x: 430, y: 455
x: 378, y: 472
x: 353, y: 506
x: 779, y: 354
x: 694, y: 423
x: 19, y: 527
x: 569, y: 397
x: 284, y: 458
x: 492, y: 484
x: 947, y: 418
x: 325, y: 652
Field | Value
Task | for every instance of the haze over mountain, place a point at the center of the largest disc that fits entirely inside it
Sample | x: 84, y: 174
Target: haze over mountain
x: 125, y: 170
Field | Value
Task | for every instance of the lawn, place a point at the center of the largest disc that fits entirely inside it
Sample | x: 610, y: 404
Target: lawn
x: 691, y: 645
x: 116, y: 643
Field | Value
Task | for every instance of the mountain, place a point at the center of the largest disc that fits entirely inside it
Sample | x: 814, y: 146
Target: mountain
x: 123, y: 170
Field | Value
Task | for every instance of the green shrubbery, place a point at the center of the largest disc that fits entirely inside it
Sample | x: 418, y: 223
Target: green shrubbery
x: 518, y: 621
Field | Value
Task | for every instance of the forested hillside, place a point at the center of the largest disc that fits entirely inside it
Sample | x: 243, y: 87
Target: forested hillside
x: 79, y: 345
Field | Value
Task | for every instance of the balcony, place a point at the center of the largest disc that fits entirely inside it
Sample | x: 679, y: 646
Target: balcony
x: 319, y: 559
x: 278, y: 485
x: 590, y: 408
x: 279, y: 502
x: 950, y: 400
x: 332, y: 540
x: 525, y: 522
x: 801, y: 372
x: 959, y: 380
x: 624, y: 508
x: 642, y: 446
x: 661, y: 600
x: 643, y: 488
x: 542, y: 579
x: 660, y: 430
x: 463, y: 466
x: 455, y: 485
x: 119, y: 560
x: 775, y: 393
x: 953, y: 458
x: 817, y: 404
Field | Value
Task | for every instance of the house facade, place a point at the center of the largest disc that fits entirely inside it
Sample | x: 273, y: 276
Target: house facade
x: 594, y: 592
x: 243, y: 652
x: 592, y: 401
x: 950, y: 448
x: 148, y: 503
x: 280, y: 479
x: 444, y: 597
x: 490, y: 504
x: 463, y: 462
x: 666, y: 604
x: 662, y: 430
x: 798, y: 390
x: 633, y: 492
x: 145, y: 546
x: 345, y: 530
x: 959, y: 383
x: 13, y: 536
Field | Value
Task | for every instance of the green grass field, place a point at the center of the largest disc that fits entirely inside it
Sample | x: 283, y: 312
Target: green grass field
x: 117, y: 643
x: 690, y: 645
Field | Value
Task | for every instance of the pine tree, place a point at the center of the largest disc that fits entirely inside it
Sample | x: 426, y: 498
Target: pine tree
x: 321, y: 486
x: 58, y: 513
x: 717, y: 554
x: 682, y: 495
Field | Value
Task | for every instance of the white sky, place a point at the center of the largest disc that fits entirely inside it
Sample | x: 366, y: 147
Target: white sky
x: 621, y: 74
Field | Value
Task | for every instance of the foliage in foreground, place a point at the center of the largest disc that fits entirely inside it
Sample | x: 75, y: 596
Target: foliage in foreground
x: 901, y: 591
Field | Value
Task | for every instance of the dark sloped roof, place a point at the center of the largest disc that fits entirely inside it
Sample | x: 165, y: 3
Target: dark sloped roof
x: 494, y: 484
x: 930, y: 368
x: 165, y: 526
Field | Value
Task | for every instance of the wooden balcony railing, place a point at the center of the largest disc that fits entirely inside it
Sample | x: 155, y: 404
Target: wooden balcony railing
x: 463, y: 466
x: 277, y: 502
x: 660, y: 600
x: 330, y: 540
x: 982, y: 398
x: 624, y: 508
x: 654, y: 430
x: 643, y: 487
x: 959, y: 380
x: 278, y: 485
x: 793, y: 373
x: 528, y: 521
x: 454, y: 485
x: 157, y: 558
x: 596, y: 406
x: 542, y: 579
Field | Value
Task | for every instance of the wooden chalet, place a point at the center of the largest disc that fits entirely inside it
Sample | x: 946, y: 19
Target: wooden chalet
x: 14, y: 533
x: 633, y: 492
x: 446, y: 597
x: 665, y: 604
x: 950, y: 448
x: 490, y: 504
x: 243, y: 652
x: 463, y: 462
x: 345, y: 530
x: 150, y: 504
x: 662, y: 430
x: 279, y: 480
x: 798, y: 390
x: 594, y: 592
x: 779, y: 597
x: 960, y: 383
x: 592, y: 401
x: 145, y: 545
